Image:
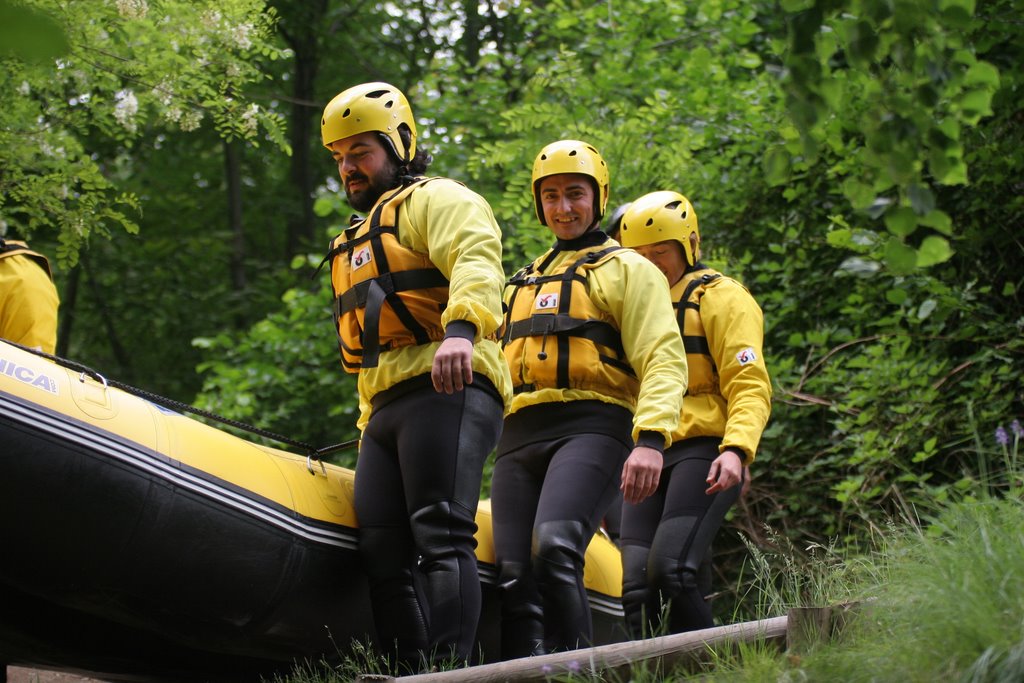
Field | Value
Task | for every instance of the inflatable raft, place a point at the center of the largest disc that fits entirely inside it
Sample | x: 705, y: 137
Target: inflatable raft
x: 140, y: 544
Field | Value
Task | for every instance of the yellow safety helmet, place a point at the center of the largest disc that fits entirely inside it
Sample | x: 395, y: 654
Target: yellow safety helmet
x: 571, y: 156
x: 660, y: 216
x: 369, y: 107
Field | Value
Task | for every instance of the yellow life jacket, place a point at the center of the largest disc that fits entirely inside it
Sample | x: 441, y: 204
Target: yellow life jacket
x: 15, y: 247
x: 555, y: 337
x: 385, y: 295
x: 703, y: 373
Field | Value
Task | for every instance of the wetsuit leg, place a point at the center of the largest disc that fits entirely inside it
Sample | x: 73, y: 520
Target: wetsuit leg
x: 639, y: 602
x: 438, y: 443
x: 690, y: 520
x: 388, y: 556
x: 613, y: 519
x: 581, y: 482
x: 515, y: 490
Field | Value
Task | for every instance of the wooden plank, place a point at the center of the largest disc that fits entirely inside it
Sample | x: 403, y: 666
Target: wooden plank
x: 663, y: 650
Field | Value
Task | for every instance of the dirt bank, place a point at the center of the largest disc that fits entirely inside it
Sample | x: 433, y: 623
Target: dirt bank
x: 17, y: 674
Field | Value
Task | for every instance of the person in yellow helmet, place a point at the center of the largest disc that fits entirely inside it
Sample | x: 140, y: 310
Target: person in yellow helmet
x: 417, y: 302
x: 597, y: 364
x: 665, y: 537
x: 28, y: 297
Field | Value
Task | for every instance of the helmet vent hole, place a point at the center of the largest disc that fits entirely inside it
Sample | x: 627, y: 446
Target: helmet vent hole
x: 346, y: 113
x: 543, y: 157
x: 683, y: 215
x: 671, y: 206
x: 650, y: 222
x: 389, y: 104
x: 377, y: 93
x: 572, y: 153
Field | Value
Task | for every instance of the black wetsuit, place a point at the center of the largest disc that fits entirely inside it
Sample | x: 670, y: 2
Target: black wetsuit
x: 665, y: 538
x: 553, y: 482
x: 417, y: 486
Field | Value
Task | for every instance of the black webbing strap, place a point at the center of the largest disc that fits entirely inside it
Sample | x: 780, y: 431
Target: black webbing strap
x: 421, y: 278
x: 7, y: 248
x: 693, y: 343
x: 544, y: 324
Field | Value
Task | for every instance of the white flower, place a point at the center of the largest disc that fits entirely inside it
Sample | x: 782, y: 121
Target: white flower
x: 125, y: 109
x: 132, y: 9
x: 249, y: 120
x: 211, y: 19
x: 190, y: 119
x: 241, y: 35
x: 164, y: 92
x: 24, y: 88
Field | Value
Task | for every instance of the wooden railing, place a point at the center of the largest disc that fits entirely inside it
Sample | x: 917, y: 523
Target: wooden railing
x: 664, y: 651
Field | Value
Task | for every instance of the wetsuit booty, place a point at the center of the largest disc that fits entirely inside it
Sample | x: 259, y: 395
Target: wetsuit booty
x: 444, y: 536
x: 639, y: 602
x: 522, y: 619
x: 397, y: 614
x: 558, y: 568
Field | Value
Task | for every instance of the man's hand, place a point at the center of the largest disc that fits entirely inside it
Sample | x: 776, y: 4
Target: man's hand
x: 726, y: 471
x: 641, y: 474
x: 453, y: 365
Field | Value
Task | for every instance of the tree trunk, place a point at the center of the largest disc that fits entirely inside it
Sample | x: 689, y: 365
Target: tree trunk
x: 233, y: 178
x: 67, y: 310
x: 301, y: 221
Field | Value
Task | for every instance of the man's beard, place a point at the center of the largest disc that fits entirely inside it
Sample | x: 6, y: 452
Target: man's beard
x: 382, y: 181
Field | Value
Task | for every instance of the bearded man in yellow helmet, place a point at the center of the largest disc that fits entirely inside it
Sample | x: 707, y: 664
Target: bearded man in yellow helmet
x: 597, y: 364
x: 417, y: 287
x: 726, y: 407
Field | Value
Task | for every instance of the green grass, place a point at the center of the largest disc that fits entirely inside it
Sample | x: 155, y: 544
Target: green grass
x: 944, y: 601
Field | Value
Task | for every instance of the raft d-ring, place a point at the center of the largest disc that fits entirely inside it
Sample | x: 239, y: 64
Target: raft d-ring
x: 309, y: 465
x: 101, y: 378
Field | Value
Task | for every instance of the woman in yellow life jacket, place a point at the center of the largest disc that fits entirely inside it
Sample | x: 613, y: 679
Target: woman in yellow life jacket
x: 725, y: 409
x: 597, y: 364
x: 417, y: 302
x: 28, y: 297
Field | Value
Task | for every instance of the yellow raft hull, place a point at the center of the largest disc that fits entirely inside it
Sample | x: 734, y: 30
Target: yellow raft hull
x: 142, y: 544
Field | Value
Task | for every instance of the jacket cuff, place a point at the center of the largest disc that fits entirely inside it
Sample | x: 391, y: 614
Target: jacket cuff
x: 744, y: 457
x: 651, y: 439
x: 460, y: 328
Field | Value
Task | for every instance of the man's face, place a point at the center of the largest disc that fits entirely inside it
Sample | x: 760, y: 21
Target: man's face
x: 668, y: 256
x: 367, y: 170
x: 568, y: 203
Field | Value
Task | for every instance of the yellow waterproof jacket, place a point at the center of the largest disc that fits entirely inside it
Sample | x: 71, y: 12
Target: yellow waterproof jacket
x: 729, y: 394
x: 438, y: 224
x: 28, y: 297
x: 609, y: 294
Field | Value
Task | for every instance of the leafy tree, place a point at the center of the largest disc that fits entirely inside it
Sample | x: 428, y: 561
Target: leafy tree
x: 126, y: 67
x: 854, y: 162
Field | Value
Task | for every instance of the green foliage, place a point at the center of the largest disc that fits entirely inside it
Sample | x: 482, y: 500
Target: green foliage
x: 810, y: 143
x: 948, y: 604
x: 126, y: 72
x: 880, y: 94
x: 266, y: 375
